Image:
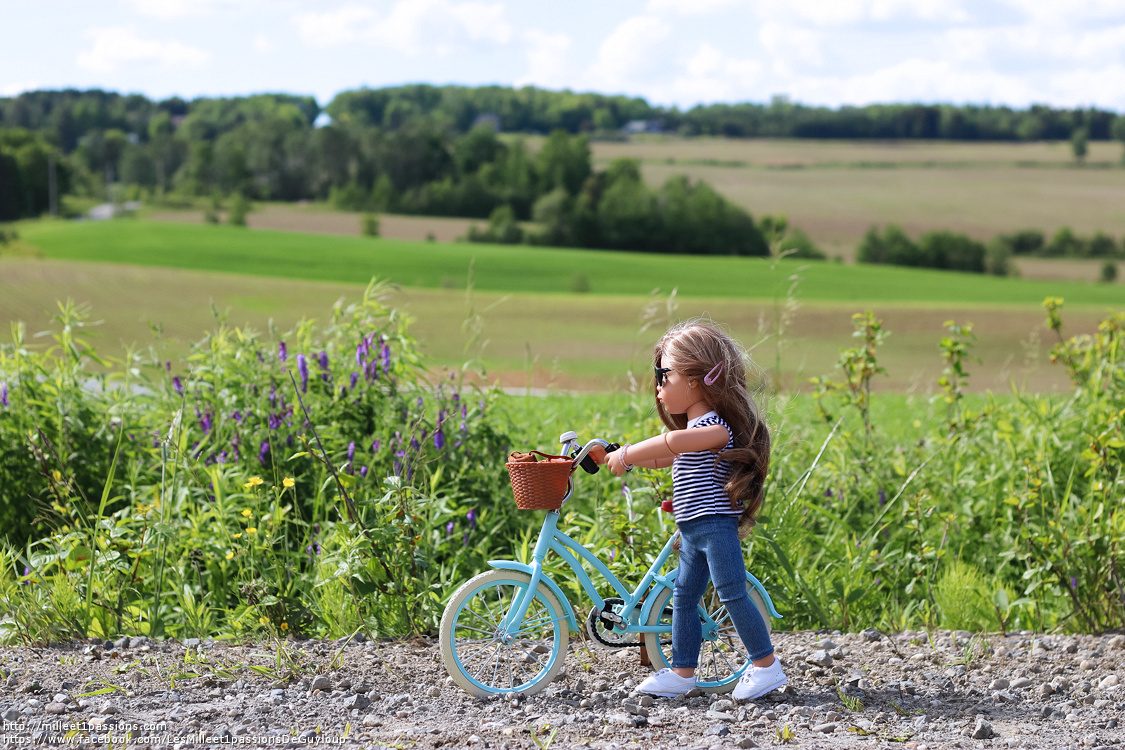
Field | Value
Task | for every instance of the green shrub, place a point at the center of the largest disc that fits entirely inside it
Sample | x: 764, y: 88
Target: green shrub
x: 963, y: 598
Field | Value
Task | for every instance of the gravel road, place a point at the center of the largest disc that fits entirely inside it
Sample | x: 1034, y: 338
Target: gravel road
x: 858, y: 690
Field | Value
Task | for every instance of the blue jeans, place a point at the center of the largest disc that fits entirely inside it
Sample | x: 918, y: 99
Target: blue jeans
x: 710, y: 551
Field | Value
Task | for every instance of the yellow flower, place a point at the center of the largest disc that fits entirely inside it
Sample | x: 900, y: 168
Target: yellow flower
x: 248, y: 513
x: 236, y: 536
x: 251, y: 530
x: 284, y: 626
x: 288, y: 482
x: 254, y: 482
x: 230, y: 555
x: 263, y: 621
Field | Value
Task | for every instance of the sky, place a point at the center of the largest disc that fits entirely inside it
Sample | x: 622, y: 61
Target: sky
x: 1064, y: 53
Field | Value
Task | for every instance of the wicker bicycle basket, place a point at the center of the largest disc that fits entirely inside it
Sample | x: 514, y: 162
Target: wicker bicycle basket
x: 539, y: 485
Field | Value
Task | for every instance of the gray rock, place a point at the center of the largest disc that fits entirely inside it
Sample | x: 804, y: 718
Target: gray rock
x: 1020, y: 682
x: 321, y: 683
x: 717, y: 730
x: 982, y: 730
x: 1117, y: 641
x: 826, y: 728
x: 745, y: 742
x: 721, y: 716
x: 55, y: 708
x: 11, y: 714
x: 819, y: 658
x: 998, y: 684
x: 357, y: 701
x: 871, y: 634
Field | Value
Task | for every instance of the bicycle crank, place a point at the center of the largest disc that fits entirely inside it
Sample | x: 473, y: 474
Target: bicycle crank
x: 605, y: 627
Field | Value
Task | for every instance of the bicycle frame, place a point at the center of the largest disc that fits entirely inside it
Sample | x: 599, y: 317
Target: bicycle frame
x: 571, y: 551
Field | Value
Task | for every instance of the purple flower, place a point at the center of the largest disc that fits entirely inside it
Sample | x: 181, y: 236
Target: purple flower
x: 439, y: 439
x: 1074, y: 583
x: 205, y: 422
x: 263, y: 452
x: 168, y: 366
x: 322, y: 360
x: 612, y: 554
x: 415, y: 444
x: 274, y: 422
x: 282, y: 351
x: 303, y: 369
x: 449, y: 530
x: 363, y: 472
x: 355, y: 379
x: 828, y: 492
x: 3, y: 393
x: 351, y: 451
x: 386, y: 353
x: 237, y: 416
x: 878, y: 580
x: 471, y: 516
x: 374, y: 446
x: 882, y: 497
x: 177, y: 385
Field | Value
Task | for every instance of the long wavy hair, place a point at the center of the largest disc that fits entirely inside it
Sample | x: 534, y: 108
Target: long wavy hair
x: 693, y: 349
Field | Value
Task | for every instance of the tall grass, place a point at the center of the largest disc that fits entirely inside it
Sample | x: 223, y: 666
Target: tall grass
x: 321, y: 480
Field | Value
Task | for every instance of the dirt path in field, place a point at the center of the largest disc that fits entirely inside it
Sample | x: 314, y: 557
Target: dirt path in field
x: 861, y: 690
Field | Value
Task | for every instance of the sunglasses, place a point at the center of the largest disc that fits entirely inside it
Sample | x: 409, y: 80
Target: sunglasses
x: 660, y: 373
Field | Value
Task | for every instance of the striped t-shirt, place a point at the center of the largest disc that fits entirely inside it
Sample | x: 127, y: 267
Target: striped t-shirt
x: 698, y: 479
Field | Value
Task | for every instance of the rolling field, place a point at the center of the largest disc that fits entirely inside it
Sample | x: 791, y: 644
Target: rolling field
x: 835, y: 190
x: 502, y: 268
x: 532, y: 331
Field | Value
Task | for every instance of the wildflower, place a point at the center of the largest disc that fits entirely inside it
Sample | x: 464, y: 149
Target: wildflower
x: 248, y: 513
x: 386, y: 353
x: 439, y: 439
x: 273, y: 422
x: 263, y: 452
x: 237, y: 416
x: 363, y: 472
x: 1074, y: 583
x: 471, y: 516
x: 288, y: 482
x: 303, y: 369
x: 177, y: 385
x: 355, y: 379
x: 263, y: 621
x: 284, y: 626
x: 882, y: 497
x: 252, y: 530
x: 282, y: 351
x: 351, y: 451
x: 322, y: 360
x: 237, y: 536
x: 253, y: 482
x: 230, y: 555
x: 449, y: 530
x: 3, y: 393
x: 374, y: 446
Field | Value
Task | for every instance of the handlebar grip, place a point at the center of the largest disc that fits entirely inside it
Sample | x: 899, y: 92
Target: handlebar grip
x: 590, y: 466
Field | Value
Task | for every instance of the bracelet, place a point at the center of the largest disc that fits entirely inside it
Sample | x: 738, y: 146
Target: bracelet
x: 624, y: 455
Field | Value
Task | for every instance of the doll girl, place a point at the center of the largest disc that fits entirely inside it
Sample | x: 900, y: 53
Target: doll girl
x: 719, y: 451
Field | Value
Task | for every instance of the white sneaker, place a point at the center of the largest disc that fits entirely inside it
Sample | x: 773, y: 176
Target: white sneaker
x: 757, y: 681
x: 666, y: 684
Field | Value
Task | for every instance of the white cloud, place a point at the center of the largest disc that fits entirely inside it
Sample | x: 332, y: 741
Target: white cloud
x: 546, y: 59
x: 120, y: 46
x: 844, y: 12
x: 629, y: 51
x: 691, y: 7
x: 263, y: 44
x: 183, y: 8
x: 411, y: 27
x: 334, y: 27
x: 712, y: 76
x: 792, y: 46
x: 15, y: 89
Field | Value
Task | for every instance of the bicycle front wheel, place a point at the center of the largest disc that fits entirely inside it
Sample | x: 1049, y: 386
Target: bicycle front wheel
x: 478, y: 652
x: 722, y: 657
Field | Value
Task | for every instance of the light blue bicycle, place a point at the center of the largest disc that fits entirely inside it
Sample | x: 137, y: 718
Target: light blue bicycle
x: 506, y: 630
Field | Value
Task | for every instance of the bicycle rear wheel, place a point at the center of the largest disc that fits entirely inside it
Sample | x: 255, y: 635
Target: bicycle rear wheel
x: 722, y: 657
x: 481, y: 657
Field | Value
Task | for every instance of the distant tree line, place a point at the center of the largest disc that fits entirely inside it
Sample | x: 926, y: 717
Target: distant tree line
x: 959, y: 252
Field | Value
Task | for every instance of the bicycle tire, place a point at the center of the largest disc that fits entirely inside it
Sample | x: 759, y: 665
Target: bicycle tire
x: 721, y: 661
x: 480, y: 659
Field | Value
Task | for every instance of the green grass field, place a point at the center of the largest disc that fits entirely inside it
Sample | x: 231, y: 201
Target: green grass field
x: 530, y: 270
x: 531, y: 329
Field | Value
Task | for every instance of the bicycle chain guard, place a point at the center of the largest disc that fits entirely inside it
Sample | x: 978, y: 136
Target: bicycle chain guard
x: 603, y: 630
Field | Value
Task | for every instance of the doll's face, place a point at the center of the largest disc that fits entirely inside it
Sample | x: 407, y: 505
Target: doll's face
x: 676, y: 393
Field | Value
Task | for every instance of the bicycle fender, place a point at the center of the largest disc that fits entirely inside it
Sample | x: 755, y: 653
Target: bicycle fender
x: 554, y: 587
x: 670, y: 579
